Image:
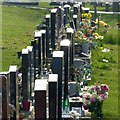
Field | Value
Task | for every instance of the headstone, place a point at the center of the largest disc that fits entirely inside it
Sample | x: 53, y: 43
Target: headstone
x: 116, y: 6
x: 53, y: 23
x: 66, y: 21
x: 14, y: 90
x: 25, y: 79
x: 57, y: 60
x: 40, y: 98
x: 4, y: 113
x: 86, y: 10
x: 52, y: 89
x: 43, y: 48
x: 6, y: 74
x: 66, y: 9
x: 75, y: 21
x: 80, y: 4
x: 70, y: 37
x: 95, y: 10
x: 30, y: 49
x: 47, y: 34
x: 38, y: 35
x: 107, y: 6
x: 65, y: 46
x: 33, y: 43
x: 75, y: 9
x: 59, y: 18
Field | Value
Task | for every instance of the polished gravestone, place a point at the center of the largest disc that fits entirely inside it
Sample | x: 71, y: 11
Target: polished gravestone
x: 37, y: 48
x: 43, y: 48
x: 31, y: 69
x: 47, y: 17
x: 52, y: 93
x: 40, y: 90
x: 66, y: 9
x: 25, y: 76
x: 33, y: 43
x: 75, y: 9
x: 65, y: 46
x: 4, y: 111
x: 75, y: 22
x: 57, y: 68
x: 14, y: 90
x: 107, y: 7
x: 53, y: 29
x: 70, y: 32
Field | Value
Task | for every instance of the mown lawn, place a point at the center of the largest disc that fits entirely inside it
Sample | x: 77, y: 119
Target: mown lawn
x: 18, y: 25
x: 107, y: 73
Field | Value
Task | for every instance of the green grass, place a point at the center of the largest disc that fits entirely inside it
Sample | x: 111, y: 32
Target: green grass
x: 18, y: 25
x: 45, y: 5
x: 111, y: 36
x: 107, y: 73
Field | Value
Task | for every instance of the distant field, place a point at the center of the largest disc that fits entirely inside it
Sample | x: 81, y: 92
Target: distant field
x: 18, y: 25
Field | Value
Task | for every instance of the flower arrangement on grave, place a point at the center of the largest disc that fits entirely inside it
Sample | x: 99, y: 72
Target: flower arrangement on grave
x: 93, y: 99
x: 98, y: 36
x: 101, y: 23
x: 86, y: 15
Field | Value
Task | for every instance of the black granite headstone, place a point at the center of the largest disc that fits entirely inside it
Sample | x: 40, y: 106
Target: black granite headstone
x: 47, y: 34
x: 53, y: 23
x: 14, y: 90
x: 33, y: 43
x: 4, y: 112
x: 52, y: 93
x: 37, y: 36
x: 70, y: 37
x: 75, y: 21
x: 31, y: 75
x: 65, y: 46
x: 57, y: 68
x: 25, y: 80
x: 43, y: 49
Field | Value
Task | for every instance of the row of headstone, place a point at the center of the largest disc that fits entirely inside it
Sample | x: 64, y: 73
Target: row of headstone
x: 34, y: 60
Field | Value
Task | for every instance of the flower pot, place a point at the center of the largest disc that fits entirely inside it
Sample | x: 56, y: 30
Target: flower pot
x: 26, y: 105
x: 85, y: 48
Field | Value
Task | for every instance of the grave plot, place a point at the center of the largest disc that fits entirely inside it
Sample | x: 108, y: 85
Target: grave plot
x: 53, y: 81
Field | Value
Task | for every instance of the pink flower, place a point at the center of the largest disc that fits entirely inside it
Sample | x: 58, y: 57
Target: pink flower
x: 86, y: 96
x: 104, y: 87
x: 85, y: 106
x: 92, y: 99
x: 102, y: 97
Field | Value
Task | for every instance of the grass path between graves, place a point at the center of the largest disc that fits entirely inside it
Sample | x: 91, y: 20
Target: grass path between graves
x: 18, y: 25
x: 107, y: 73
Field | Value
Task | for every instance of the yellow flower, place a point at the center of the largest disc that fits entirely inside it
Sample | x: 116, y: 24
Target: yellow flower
x: 102, y: 23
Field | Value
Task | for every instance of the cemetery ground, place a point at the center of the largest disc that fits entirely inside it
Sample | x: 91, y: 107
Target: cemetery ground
x: 17, y: 31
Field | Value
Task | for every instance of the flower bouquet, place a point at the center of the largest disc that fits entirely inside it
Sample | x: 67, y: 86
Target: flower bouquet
x: 94, y: 98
